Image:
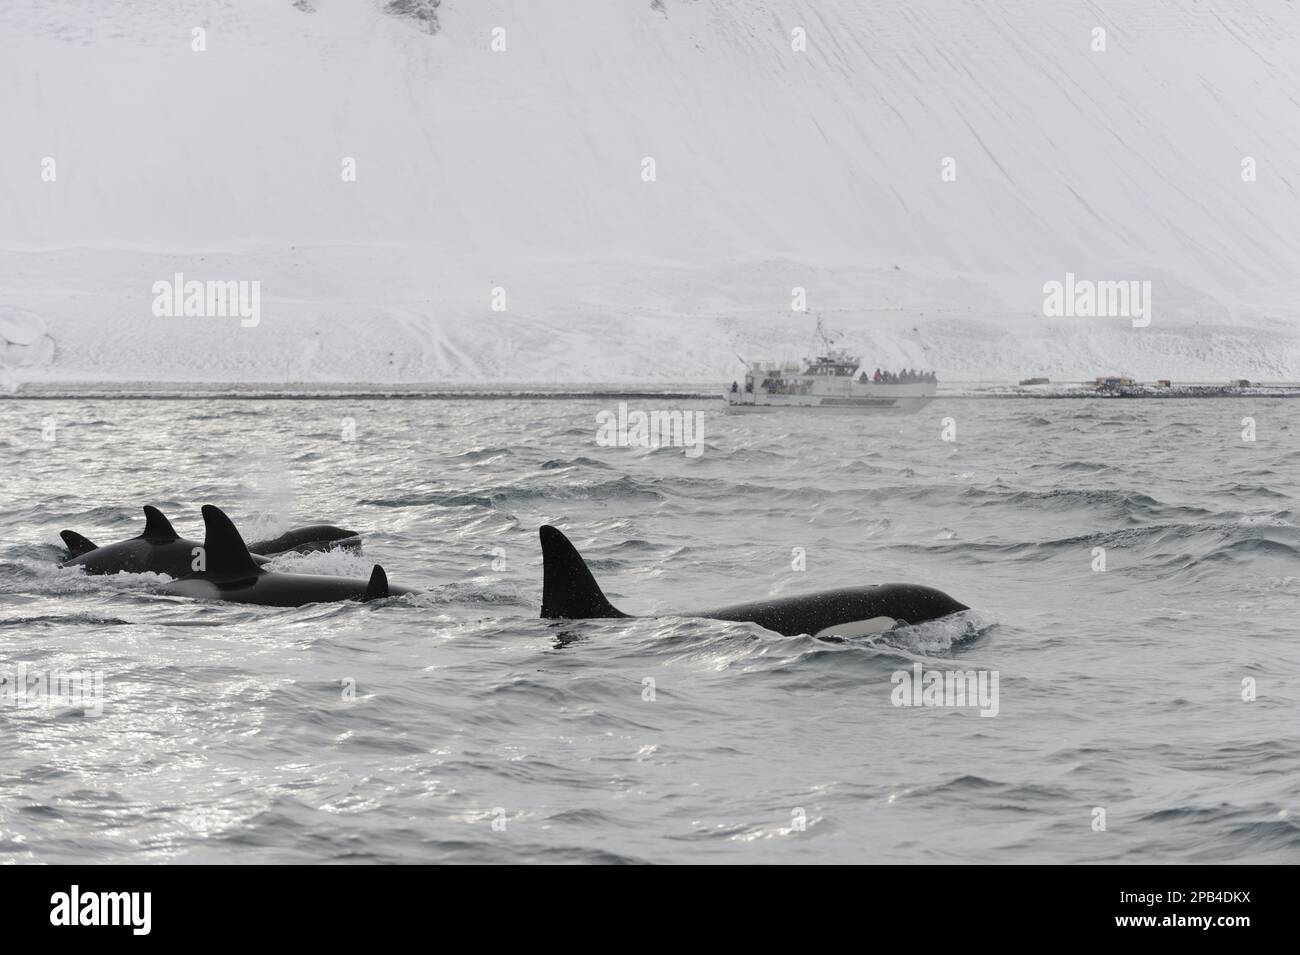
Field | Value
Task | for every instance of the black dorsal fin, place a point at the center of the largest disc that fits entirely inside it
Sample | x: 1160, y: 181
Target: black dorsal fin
x: 156, y: 526
x: 224, y: 553
x: 569, y: 592
x: 377, y: 589
x: 76, y: 544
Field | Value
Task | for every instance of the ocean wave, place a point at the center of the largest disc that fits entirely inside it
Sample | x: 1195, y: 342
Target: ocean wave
x: 557, y: 464
x: 74, y: 619
x: 623, y: 488
x: 24, y: 576
x: 482, y: 454
x: 994, y: 793
x: 1086, y: 467
x: 1248, y: 549
x: 722, y: 645
x: 1128, y: 504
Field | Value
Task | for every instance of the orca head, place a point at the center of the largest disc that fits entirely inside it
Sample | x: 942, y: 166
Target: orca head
x: 933, y: 604
x: 308, y: 539
x: 331, y: 534
x: 876, y: 609
x: 569, y: 592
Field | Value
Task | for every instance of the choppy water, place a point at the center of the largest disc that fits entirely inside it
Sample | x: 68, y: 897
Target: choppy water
x: 226, y: 737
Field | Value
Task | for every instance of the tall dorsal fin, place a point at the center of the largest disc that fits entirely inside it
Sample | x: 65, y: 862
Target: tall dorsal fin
x: 156, y: 526
x: 76, y: 544
x: 377, y: 589
x: 569, y: 592
x: 223, y: 549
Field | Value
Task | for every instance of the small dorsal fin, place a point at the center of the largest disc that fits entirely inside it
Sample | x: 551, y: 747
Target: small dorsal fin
x: 76, y: 544
x: 377, y: 589
x: 569, y: 592
x: 224, y: 551
x: 156, y: 526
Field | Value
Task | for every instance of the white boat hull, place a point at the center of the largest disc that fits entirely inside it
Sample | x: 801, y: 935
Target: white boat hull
x: 879, y: 399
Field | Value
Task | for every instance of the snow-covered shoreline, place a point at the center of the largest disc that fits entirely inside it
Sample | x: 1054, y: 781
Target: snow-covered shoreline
x: 383, y: 315
x: 534, y: 391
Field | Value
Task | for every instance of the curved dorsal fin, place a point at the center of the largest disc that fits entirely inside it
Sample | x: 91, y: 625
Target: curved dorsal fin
x: 224, y: 550
x: 377, y: 589
x: 76, y: 544
x: 156, y: 526
x: 569, y: 592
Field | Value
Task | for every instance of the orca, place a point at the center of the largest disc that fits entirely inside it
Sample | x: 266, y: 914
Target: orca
x: 158, y: 549
x: 309, y: 539
x: 231, y: 573
x: 161, y: 551
x: 570, y: 592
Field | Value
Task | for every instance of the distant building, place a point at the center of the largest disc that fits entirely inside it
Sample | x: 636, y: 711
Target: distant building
x: 1036, y: 381
x: 1163, y: 383
x: 1114, y: 381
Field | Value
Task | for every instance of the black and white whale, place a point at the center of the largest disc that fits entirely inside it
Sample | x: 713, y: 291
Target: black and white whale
x: 231, y: 573
x: 308, y: 539
x: 160, y: 550
x: 569, y: 592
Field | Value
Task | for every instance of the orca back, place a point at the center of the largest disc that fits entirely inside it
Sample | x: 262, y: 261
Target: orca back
x: 158, y: 549
x: 286, y: 590
x: 137, y: 556
x: 309, y: 539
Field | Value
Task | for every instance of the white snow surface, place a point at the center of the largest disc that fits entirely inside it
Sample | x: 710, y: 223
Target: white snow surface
x: 522, y: 169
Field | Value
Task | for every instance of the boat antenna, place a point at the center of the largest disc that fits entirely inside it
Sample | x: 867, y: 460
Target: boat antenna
x: 827, y: 342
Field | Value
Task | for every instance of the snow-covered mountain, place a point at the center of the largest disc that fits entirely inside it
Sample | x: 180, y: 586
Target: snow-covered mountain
x: 129, y: 156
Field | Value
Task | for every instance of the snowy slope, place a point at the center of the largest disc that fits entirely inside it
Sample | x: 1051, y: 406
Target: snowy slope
x: 522, y: 169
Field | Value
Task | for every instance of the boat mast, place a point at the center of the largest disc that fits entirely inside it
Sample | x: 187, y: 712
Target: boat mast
x: 821, y: 333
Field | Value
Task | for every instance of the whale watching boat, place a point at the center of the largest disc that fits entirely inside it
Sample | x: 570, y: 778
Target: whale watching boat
x: 833, y: 382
